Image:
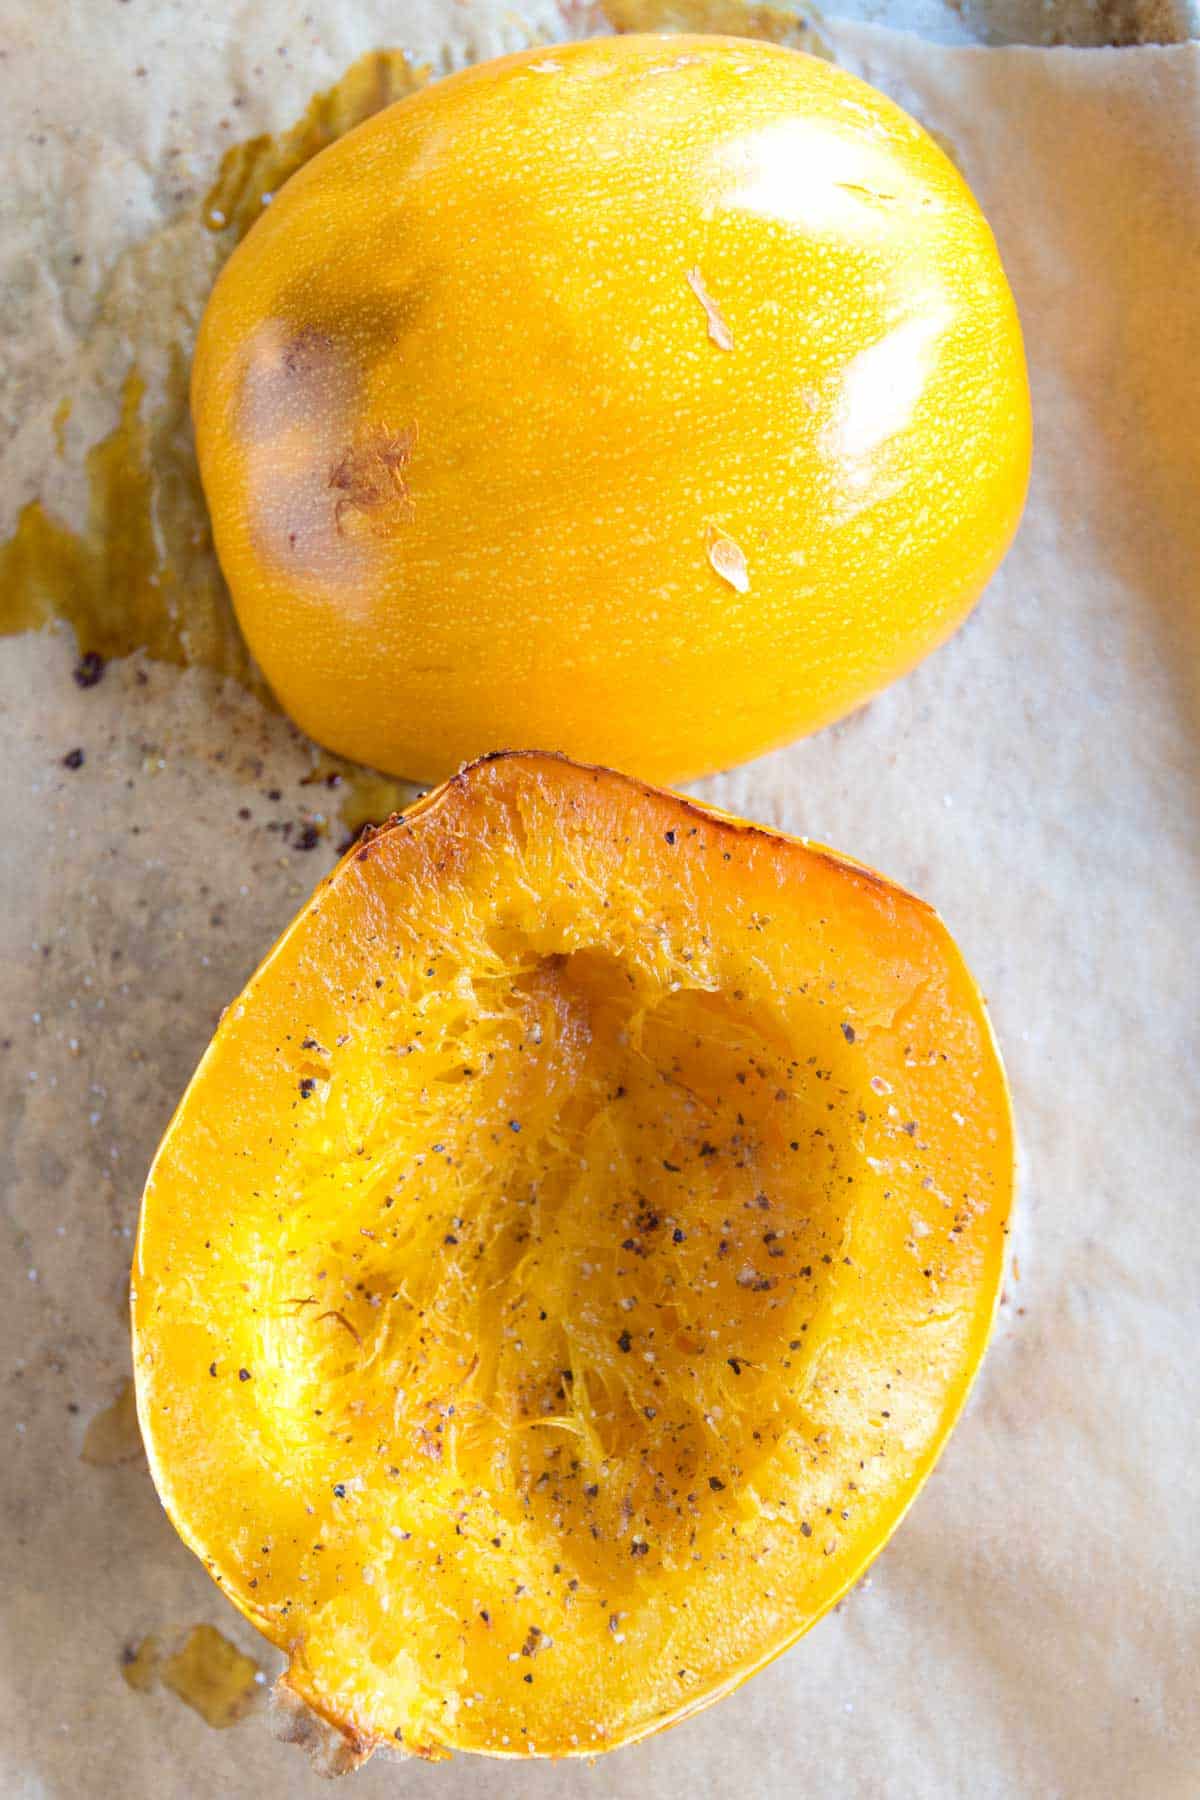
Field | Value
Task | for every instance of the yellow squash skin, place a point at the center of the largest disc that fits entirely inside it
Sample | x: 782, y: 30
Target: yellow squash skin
x: 658, y: 399
x: 568, y: 1260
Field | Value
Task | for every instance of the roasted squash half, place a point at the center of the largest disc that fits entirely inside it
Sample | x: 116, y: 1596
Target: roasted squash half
x: 568, y: 1260
x: 659, y: 399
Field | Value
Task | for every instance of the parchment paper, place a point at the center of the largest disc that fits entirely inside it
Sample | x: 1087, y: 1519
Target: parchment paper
x: 1032, y: 1630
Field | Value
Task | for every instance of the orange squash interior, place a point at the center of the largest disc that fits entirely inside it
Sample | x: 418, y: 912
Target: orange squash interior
x: 568, y: 1260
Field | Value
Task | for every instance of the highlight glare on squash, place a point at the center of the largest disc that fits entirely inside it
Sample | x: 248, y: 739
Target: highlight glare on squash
x: 568, y: 1260
x: 656, y: 399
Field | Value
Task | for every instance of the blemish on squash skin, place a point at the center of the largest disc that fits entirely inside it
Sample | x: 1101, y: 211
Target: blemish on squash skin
x: 368, y: 480
x: 284, y: 368
x: 206, y: 1671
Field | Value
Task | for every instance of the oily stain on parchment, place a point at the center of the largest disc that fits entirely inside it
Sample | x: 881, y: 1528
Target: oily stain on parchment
x: 252, y: 172
x: 798, y: 27
x: 208, y: 1673
x: 113, y: 1435
x: 140, y: 573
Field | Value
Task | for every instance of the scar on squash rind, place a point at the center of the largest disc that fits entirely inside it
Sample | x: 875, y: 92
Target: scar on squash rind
x: 368, y: 479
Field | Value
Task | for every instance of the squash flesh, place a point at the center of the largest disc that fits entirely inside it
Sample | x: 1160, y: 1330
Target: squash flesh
x: 593, y: 1214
